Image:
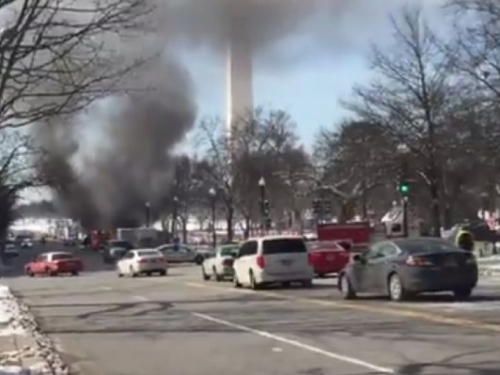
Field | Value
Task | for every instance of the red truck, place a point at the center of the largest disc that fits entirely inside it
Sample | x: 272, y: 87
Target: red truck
x: 99, y: 238
x: 355, y: 235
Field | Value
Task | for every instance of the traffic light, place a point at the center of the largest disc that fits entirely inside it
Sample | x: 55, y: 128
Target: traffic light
x: 404, y: 188
x: 267, y: 208
x: 327, y: 206
x: 316, y: 203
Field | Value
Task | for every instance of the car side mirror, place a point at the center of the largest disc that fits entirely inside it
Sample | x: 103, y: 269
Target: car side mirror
x: 358, y: 258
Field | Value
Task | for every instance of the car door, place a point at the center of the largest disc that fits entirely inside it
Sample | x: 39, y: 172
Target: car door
x: 363, y: 270
x: 186, y: 254
x: 378, y: 267
x: 243, y: 263
x: 124, y: 263
x: 39, y: 264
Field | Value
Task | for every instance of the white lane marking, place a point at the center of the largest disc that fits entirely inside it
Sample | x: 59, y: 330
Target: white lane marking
x: 277, y: 350
x: 106, y: 288
x: 140, y: 298
x: 298, y: 344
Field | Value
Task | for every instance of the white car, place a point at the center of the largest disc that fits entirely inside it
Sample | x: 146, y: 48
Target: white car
x: 220, y: 264
x: 142, y: 261
x: 272, y: 259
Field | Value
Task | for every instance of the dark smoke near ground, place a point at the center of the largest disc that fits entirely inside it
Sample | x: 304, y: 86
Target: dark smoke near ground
x: 111, y: 160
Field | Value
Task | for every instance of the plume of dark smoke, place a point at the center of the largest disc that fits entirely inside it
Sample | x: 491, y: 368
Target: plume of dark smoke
x: 109, y: 161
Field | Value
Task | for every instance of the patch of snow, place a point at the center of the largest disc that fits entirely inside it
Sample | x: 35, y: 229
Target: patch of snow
x: 14, y: 370
x: 10, y: 314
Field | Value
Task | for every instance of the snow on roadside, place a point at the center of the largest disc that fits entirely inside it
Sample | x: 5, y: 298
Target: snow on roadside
x: 33, y: 348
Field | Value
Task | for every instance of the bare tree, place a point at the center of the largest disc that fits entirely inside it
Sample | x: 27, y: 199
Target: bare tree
x: 411, y: 98
x: 55, y: 57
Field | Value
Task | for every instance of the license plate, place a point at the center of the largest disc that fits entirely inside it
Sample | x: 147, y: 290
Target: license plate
x: 330, y: 258
x: 286, y: 262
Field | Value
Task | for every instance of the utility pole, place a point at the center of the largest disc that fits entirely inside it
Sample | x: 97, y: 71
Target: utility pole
x: 213, y: 196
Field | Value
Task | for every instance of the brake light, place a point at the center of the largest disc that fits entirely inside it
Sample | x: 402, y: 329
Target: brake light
x: 142, y: 261
x: 417, y: 261
x: 261, y: 261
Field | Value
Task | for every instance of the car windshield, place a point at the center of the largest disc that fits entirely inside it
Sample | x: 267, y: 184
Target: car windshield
x: 427, y: 246
x: 324, y: 245
x: 149, y: 253
x: 284, y: 246
x: 61, y: 256
x: 229, y: 251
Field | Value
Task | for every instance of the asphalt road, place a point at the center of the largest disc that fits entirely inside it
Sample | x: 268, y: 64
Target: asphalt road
x: 181, y: 325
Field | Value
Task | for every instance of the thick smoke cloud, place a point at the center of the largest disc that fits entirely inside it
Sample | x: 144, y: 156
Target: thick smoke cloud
x: 112, y: 159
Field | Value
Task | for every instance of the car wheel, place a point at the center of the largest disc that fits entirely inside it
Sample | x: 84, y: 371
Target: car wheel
x: 216, y: 276
x: 29, y: 272
x: 396, y: 289
x: 198, y: 259
x: 462, y: 293
x: 163, y: 273
x: 307, y: 283
x: 204, y: 274
x: 253, y: 282
x: 286, y: 284
x: 346, y: 287
x: 236, y: 282
x: 75, y: 273
x: 131, y: 272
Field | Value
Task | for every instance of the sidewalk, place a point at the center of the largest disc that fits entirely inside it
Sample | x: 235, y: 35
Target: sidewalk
x: 23, y: 349
x: 489, y: 266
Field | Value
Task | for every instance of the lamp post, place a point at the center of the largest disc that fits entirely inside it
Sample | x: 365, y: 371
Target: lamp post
x: 174, y: 218
x: 403, y: 150
x: 213, y: 195
x: 262, y: 188
x: 148, y: 214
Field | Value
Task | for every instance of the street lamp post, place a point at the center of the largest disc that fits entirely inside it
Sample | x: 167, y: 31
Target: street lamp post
x: 403, y: 186
x: 148, y: 214
x: 213, y: 195
x: 174, y: 218
x: 262, y: 188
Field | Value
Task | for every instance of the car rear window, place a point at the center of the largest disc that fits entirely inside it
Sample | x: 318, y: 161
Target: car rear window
x: 325, y: 245
x: 229, y: 251
x: 119, y: 244
x: 149, y: 253
x: 427, y: 246
x: 61, y: 256
x: 284, y: 246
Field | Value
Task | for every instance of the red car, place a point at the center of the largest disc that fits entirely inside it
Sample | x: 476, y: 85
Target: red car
x: 327, y: 257
x: 53, y: 264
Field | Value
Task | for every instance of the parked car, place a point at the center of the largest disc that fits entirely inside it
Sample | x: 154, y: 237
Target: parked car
x: 11, y: 249
x: 115, y: 250
x: 272, y: 259
x: 220, y: 265
x: 53, y: 264
x: 142, y: 262
x: 181, y: 254
x: 404, y: 267
x: 327, y: 257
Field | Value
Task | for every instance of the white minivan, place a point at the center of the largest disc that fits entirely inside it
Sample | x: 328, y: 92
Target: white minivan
x: 272, y: 259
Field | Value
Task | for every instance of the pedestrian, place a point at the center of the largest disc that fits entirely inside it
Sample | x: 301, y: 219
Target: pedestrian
x: 465, y: 239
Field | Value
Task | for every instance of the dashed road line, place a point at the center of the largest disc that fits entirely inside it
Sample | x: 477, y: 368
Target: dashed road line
x: 298, y: 344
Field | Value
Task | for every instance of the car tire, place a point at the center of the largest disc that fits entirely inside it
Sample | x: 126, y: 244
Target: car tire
x: 236, y: 282
x: 75, y: 273
x: 253, y: 282
x: 29, y: 272
x: 396, y: 290
x: 204, y: 274
x: 120, y: 274
x: 462, y: 293
x: 216, y: 275
x: 131, y: 272
x: 307, y: 283
x: 346, y: 288
x: 198, y: 260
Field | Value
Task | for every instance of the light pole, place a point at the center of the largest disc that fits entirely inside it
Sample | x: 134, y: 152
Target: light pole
x: 174, y: 218
x: 148, y: 214
x: 403, y: 150
x: 262, y: 188
x: 213, y: 195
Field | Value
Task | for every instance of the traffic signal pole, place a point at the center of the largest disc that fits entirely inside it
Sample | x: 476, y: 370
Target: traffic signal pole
x: 405, y: 217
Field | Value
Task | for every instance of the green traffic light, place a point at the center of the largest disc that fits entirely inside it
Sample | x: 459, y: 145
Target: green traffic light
x: 404, y: 188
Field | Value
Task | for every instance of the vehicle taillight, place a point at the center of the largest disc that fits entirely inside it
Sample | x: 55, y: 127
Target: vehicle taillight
x: 142, y: 261
x: 416, y: 261
x: 261, y: 261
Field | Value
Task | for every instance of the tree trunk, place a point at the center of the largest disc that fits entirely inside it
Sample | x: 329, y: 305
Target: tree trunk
x: 436, y: 212
x: 248, y: 223
x: 184, y: 229
x: 229, y: 221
